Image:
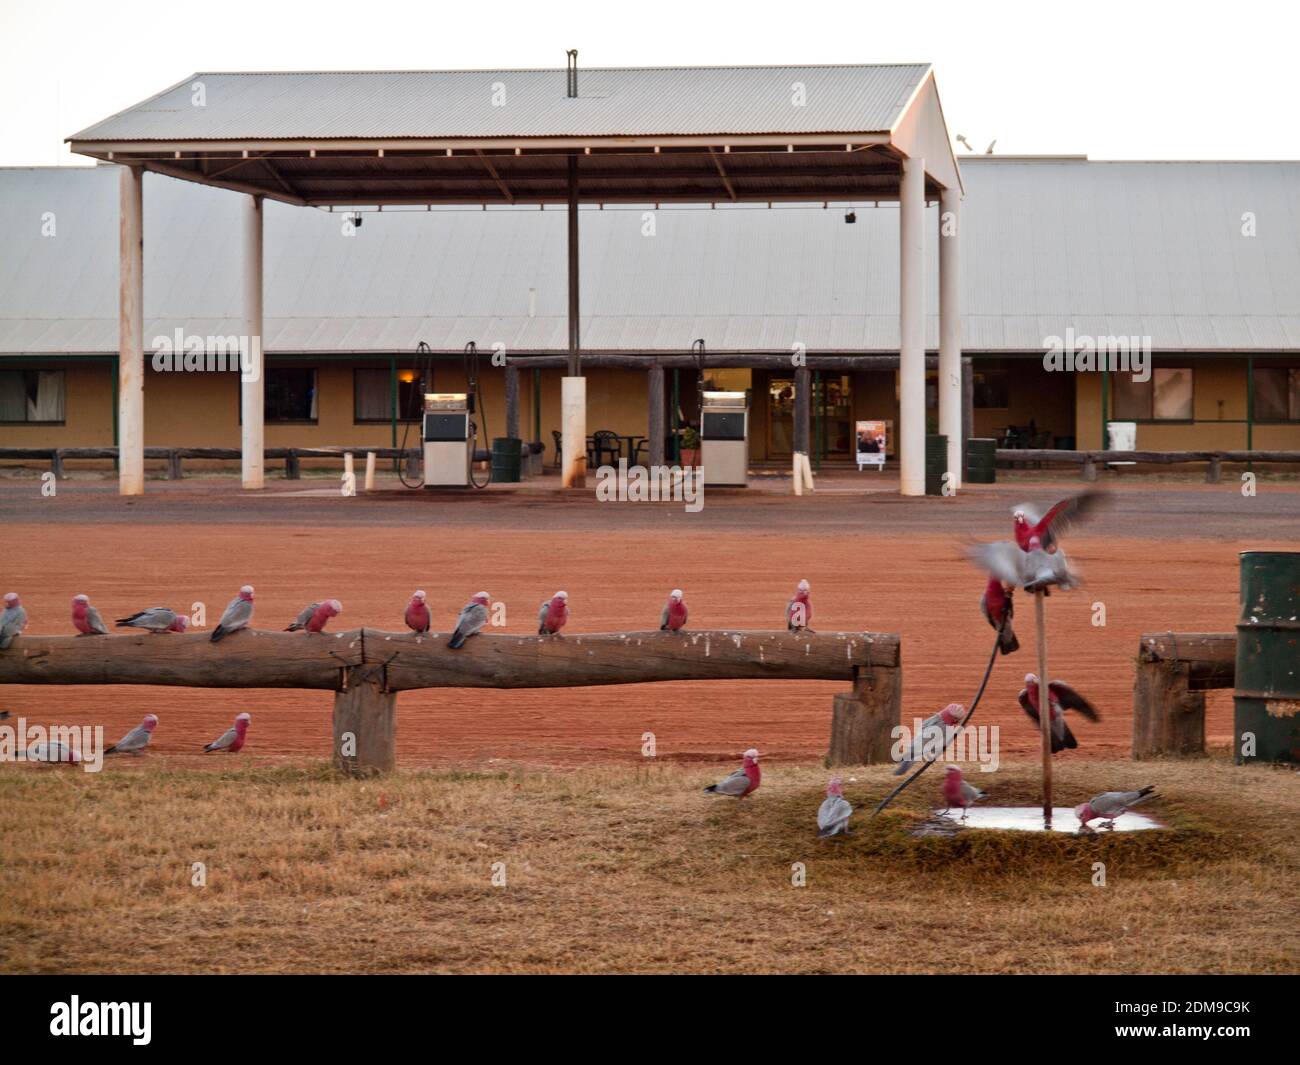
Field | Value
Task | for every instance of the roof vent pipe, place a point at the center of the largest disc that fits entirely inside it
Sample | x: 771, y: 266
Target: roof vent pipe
x: 573, y: 74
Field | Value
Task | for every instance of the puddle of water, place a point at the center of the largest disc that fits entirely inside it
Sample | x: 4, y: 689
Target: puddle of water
x: 1030, y: 819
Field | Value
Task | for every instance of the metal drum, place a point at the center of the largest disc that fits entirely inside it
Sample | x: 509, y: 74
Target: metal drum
x: 936, y: 463
x: 981, y: 460
x: 1267, y: 698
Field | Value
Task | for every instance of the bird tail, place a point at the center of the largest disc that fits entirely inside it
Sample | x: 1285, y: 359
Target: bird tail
x: 903, y: 767
x: 541, y: 630
x: 217, y: 633
x: 1067, y: 741
x: 127, y: 621
x: 712, y: 787
x: 110, y: 750
x: 209, y: 746
x: 1143, y: 792
x: 1007, y: 642
x: 293, y: 628
x: 457, y: 640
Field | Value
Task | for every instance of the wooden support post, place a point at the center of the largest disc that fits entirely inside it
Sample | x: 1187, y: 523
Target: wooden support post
x: 512, y: 401
x: 370, y: 471
x: 292, y: 467
x: 1214, y: 471
x: 365, y: 723
x: 56, y: 464
x: 862, y: 721
x: 173, y: 464
x: 655, y: 414
x: 1089, y: 469
x: 1044, y: 704
x: 802, y: 414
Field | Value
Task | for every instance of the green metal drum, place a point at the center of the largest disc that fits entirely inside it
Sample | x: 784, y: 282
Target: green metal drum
x: 1267, y: 698
x: 936, y: 463
x: 506, y: 452
x: 981, y: 460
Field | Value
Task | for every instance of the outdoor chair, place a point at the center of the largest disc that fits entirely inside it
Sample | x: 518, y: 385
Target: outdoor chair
x: 601, y: 443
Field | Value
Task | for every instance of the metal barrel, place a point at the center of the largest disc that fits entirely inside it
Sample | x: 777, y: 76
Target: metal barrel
x: 936, y: 463
x: 981, y: 460
x: 1266, y: 702
x: 505, y: 459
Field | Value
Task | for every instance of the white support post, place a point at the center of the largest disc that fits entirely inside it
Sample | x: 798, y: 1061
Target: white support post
x: 911, y: 329
x: 252, y: 386
x: 950, y: 381
x: 130, y: 352
x: 573, y: 434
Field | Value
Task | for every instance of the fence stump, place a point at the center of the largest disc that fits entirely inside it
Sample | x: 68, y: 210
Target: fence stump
x: 862, y: 720
x: 292, y: 468
x: 1089, y: 470
x: 1214, y: 471
x: 173, y: 465
x: 1168, y: 717
x: 365, y: 724
x: 56, y: 464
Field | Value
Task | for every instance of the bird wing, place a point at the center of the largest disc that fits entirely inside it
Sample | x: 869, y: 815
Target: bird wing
x: 1027, y: 706
x: 1002, y: 560
x: 1072, y: 700
x: 156, y: 617
x: 96, y: 621
x: 970, y: 792
x: 735, y: 784
x: 304, y: 615
x: 1109, y: 803
x: 1062, y: 515
x: 663, y: 617
x: 224, y: 740
x: 135, y: 739
x: 835, y: 810
x: 237, y: 614
x: 541, y: 614
x: 471, y: 619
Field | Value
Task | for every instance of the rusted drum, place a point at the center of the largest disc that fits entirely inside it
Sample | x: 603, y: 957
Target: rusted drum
x: 1266, y: 701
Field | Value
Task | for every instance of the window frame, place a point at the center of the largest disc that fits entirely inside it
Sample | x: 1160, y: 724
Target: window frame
x: 1149, y: 387
x: 387, y: 419
x: 1293, y: 383
x: 63, y: 378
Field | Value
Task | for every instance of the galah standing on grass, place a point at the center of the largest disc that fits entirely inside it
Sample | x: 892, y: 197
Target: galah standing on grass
x: 237, y: 615
x: 86, y: 618
x: 1063, y: 698
x: 553, y: 614
x: 1029, y: 521
x: 932, y: 736
x: 53, y: 752
x: 13, y: 620
x: 473, y: 616
x: 673, y: 615
x: 418, y: 618
x: 1110, y: 805
x: 957, y: 792
x: 798, y: 612
x: 743, y: 781
x: 1031, y: 569
x: 314, y: 618
x: 137, y: 739
x: 155, y: 619
x: 995, y: 605
x: 833, y: 816
x: 233, y: 738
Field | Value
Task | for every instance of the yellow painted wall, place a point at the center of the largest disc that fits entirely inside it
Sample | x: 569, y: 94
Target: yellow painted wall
x: 87, y: 410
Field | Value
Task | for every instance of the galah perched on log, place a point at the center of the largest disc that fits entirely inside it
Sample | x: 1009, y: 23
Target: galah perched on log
x: 315, y: 617
x: 553, y: 614
x: 957, y: 792
x: 1031, y: 570
x: 1110, y: 805
x: 1030, y: 521
x: 995, y: 605
x: 473, y: 616
x: 155, y: 619
x: 673, y: 615
x: 237, y: 615
x: 743, y: 781
x: 13, y: 620
x: 798, y: 612
x: 137, y: 739
x: 418, y: 618
x: 53, y: 752
x: 932, y: 737
x: 233, y: 738
x: 1063, y: 698
x: 86, y: 618
x: 833, y: 816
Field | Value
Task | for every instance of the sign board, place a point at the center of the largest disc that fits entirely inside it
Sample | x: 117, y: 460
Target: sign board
x: 872, y: 443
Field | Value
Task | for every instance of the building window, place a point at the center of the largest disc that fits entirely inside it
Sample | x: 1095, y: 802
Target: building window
x: 1166, y: 397
x: 31, y: 397
x: 991, y: 389
x: 1277, y: 394
x: 290, y: 394
x: 372, y: 395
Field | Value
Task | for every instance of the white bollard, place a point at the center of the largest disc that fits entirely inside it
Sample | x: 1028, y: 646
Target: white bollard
x: 370, y: 471
x: 797, y: 473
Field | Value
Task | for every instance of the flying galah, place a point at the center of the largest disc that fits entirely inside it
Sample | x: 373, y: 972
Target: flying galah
x: 155, y: 619
x: 137, y: 739
x: 798, y: 612
x: 956, y: 792
x: 932, y: 736
x: 86, y: 618
x: 553, y: 614
x: 473, y: 616
x: 1031, y: 569
x: 1110, y: 805
x: 835, y: 811
x: 237, y: 615
x: 673, y: 615
x: 314, y: 618
x: 1030, y: 521
x: 13, y: 620
x: 418, y: 618
x: 995, y: 605
x: 1063, y: 698
x: 53, y: 752
x: 742, y: 781
x: 233, y: 738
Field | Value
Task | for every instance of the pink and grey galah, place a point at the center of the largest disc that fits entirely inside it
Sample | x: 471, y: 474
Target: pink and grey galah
x: 553, y: 615
x: 473, y: 616
x: 743, y: 781
x: 673, y: 615
x: 155, y: 619
x: 12, y: 620
x: 957, y: 792
x: 137, y: 739
x: 53, y: 752
x: 1062, y: 698
x: 1030, y: 522
x: 995, y: 605
x: 1110, y: 805
x: 315, y: 617
x: 1031, y: 568
x: 798, y: 612
x: 237, y: 615
x: 86, y: 619
x: 232, y: 740
x: 417, y: 617
x: 834, y: 812
x: 932, y: 739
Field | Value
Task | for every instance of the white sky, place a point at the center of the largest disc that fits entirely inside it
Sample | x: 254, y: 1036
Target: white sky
x: 1137, y: 79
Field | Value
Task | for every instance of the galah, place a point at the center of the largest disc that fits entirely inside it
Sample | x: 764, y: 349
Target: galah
x: 933, y: 735
x: 155, y: 619
x: 13, y: 620
x: 835, y: 811
x: 233, y: 738
x: 957, y: 792
x: 798, y: 612
x: 418, y: 618
x: 137, y: 739
x: 473, y: 616
x: 673, y: 615
x: 1029, y: 521
x: 1110, y: 805
x: 315, y: 617
x: 86, y: 618
x: 743, y: 781
x: 4, y: 715
x: 995, y: 605
x: 53, y: 752
x: 237, y: 615
x: 1063, y: 698
x: 553, y: 614
x: 1031, y: 569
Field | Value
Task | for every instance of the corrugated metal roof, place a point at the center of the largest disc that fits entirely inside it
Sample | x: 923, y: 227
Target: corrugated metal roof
x: 1104, y: 248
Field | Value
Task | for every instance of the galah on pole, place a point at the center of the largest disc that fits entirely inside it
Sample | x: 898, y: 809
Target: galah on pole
x: 314, y: 618
x: 1062, y: 698
x: 553, y: 614
x: 1110, y: 805
x: 473, y: 616
x: 743, y: 781
x: 995, y: 605
x: 155, y: 619
x: 932, y: 737
x: 233, y: 738
x: 835, y: 811
x: 673, y: 615
x: 418, y: 618
x: 798, y: 612
x: 1031, y: 569
x: 86, y: 618
x: 237, y: 615
x: 1030, y: 521
x: 957, y: 792
x: 53, y: 752
x: 137, y: 739
x: 13, y: 620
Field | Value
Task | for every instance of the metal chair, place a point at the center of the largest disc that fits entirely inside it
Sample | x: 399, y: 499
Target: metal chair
x: 559, y: 445
x: 601, y: 443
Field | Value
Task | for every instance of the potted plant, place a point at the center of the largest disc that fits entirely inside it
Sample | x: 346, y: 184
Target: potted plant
x: 689, y: 446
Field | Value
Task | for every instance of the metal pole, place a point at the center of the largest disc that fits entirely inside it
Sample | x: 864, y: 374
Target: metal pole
x: 950, y: 376
x: 1044, y: 705
x: 655, y: 415
x: 1105, y: 407
x: 676, y: 426
x: 573, y: 389
x: 537, y: 404
x: 819, y: 430
x: 130, y: 364
x: 252, y: 385
x: 911, y: 329
x: 392, y: 394
x: 1250, y: 404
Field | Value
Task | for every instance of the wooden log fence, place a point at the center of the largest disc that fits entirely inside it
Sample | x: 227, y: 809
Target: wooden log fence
x: 1088, y: 461
x: 1174, y: 671
x: 175, y: 456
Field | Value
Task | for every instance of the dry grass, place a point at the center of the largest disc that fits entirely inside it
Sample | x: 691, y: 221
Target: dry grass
x: 629, y: 870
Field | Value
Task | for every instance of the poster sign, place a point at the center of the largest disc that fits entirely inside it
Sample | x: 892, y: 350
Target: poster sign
x: 872, y: 444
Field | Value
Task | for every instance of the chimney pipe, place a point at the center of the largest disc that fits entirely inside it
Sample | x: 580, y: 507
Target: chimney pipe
x: 573, y: 74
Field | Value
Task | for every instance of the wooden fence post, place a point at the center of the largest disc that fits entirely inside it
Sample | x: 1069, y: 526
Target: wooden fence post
x: 173, y: 465
x: 56, y: 464
x: 365, y: 723
x: 1089, y: 470
x: 862, y: 720
x: 1214, y: 471
x: 1174, y: 670
x: 292, y: 470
